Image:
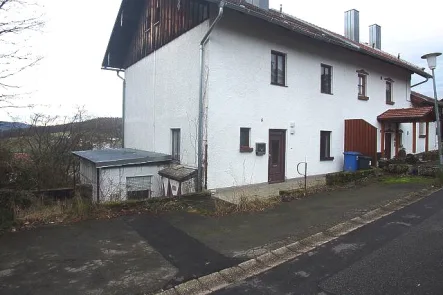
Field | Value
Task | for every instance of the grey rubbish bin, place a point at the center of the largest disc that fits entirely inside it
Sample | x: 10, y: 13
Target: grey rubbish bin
x: 364, y: 163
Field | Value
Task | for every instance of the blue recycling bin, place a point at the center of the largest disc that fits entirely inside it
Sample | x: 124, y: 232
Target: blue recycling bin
x: 351, y: 161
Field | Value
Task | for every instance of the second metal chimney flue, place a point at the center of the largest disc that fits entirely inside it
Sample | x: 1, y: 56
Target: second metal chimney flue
x: 375, y: 36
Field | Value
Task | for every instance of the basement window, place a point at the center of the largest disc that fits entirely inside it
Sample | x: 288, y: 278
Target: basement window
x: 325, y: 146
x: 139, y: 187
x: 245, y: 140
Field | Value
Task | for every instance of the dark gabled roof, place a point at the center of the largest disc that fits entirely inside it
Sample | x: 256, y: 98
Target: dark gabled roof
x: 305, y: 28
x: 122, y: 157
x: 419, y: 99
x: 121, y: 36
x: 408, y: 115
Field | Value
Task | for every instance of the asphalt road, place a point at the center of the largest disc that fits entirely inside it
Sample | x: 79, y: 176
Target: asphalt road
x: 399, y: 254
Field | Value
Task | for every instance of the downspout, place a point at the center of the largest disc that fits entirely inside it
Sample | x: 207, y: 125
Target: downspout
x: 123, y: 108
x: 422, y: 82
x: 201, y: 98
x: 415, y: 85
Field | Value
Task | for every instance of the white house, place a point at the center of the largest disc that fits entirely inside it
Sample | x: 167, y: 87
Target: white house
x: 243, y: 93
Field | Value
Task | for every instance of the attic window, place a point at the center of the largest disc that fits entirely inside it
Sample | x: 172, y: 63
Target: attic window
x: 157, y: 12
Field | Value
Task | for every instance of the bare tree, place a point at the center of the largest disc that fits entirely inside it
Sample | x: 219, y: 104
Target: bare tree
x: 18, y: 20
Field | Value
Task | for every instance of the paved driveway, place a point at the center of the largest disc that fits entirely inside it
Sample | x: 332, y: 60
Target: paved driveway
x: 144, y: 253
x: 96, y: 257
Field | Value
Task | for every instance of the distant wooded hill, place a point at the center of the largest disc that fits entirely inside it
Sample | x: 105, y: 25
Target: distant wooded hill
x: 4, y: 126
x: 97, y: 125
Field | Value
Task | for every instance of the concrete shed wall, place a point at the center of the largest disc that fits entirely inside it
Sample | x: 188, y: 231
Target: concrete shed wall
x: 113, y: 181
x: 88, y: 175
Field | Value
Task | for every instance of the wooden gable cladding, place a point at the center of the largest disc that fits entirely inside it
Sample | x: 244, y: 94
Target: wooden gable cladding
x: 162, y: 21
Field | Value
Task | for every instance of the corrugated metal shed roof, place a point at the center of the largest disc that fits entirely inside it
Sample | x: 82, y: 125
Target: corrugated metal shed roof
x: 122, y: 157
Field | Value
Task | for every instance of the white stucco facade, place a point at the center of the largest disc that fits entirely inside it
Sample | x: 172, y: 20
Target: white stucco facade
x: 162, y: 93
x: 240, y: 95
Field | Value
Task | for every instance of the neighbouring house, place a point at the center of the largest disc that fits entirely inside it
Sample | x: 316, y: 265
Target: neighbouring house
x: 242, y: 93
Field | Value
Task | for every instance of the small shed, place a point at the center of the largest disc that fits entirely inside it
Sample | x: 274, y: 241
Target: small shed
x: 122, y: 174
x: 178, y: 180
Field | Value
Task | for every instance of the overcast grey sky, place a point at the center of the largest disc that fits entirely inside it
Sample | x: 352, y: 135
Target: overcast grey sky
x: 77, y: 32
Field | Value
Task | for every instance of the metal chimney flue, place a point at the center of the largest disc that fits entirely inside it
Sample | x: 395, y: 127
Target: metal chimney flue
x: 352, y: 25
x: 263, y: 4
x: 375, y: 36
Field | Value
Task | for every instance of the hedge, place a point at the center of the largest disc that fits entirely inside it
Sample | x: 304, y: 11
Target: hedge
x: 346, y: 177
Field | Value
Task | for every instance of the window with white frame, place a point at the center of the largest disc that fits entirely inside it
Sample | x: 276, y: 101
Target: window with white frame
x: 138, y: 187
x: 422, y: 129
x: 362, y: 85
x: 389, y: 95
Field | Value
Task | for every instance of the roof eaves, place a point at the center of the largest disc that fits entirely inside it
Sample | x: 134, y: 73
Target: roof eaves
x: 331, y: 38
x: 105, y: 61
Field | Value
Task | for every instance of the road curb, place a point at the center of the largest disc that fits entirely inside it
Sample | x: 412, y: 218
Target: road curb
x: 252, y: 267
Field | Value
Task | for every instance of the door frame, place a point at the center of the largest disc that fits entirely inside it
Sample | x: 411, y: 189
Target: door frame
x: 388, y: 146
x: 281, y: 132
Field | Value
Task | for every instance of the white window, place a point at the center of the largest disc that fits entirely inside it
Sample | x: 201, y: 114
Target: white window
x: 422, y: 129
x: 139, y: 187
x: 175, y: 144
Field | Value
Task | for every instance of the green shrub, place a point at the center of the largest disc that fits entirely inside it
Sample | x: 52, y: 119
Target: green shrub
x: 346, y: 177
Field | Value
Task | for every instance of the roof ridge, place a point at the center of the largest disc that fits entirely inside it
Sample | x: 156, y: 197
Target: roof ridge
x: 344, y: 38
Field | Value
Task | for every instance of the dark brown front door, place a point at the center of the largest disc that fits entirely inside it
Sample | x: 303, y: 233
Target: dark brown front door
x: 388, y: 145
x: 277, y: 152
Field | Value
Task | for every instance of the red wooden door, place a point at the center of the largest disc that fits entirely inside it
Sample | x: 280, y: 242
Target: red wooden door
x: 277, y: 155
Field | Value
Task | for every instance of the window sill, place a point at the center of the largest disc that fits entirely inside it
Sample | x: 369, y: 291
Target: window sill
x: 281, y: 85
x: 422, y: 136
x: 327, y: 159
x: 390, y: 103
x: 327, y: 93
x: 245, y: 149
x: 361, y: 97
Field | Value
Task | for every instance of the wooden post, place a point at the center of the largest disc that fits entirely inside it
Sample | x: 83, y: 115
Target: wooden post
x: 382, y: 140
x: 427, y: 137
x: 397, y: 139
x: 414, y: 137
